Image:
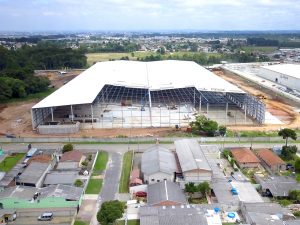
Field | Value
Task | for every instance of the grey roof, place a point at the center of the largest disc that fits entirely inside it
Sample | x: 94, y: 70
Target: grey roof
x: 165, y: 191
x: 61, y: 177
x: 292, y: 222
x: 10, y: 176
x: 265, y: 213
x: 175, y: 215
x: 158, y: 159
x: 190, y: 155
x: 279, y: 186
x: 67, y: 166
x: 33, y: 173
x: 60, y: 190
x: 18, y: 192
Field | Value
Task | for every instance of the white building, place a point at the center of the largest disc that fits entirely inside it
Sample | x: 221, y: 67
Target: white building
x: 158, y: 164
x: 284, y: 74
x: 194, y: 165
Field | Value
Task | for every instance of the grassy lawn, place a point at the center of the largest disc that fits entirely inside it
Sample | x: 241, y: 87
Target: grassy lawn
x: 39, y: 95
x: 94, y: 186
x: 79, y: 222
x: 124, y: 181
x: 101, y: 161
x: 129, y: 222
x: 264, y: 49
x: 10, y: 161
x: 106, y: 56
x: 298, y: 177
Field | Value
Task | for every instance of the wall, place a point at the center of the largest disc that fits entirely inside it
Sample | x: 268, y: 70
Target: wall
x: 248, y: 165
x: 159, y: 176
x: 283, y: 79
x: 59, y: 129
x: 200, y: 176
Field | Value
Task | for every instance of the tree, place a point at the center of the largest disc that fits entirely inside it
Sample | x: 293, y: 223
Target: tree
x: 78, y: 183
x: 110, y: 211
x: 204, y: 188
x: 202, y: 124
x: 222, y: 130
x: 297, y: 165
x: 287, y: 133
x: 67, y: 148
x: 288, y: 152
x: 190, y: 188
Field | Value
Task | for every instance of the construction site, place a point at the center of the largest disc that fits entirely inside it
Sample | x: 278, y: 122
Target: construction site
x: 128, y: 94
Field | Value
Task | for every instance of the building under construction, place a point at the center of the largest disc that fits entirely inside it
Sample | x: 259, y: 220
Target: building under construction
x: 127, y: 94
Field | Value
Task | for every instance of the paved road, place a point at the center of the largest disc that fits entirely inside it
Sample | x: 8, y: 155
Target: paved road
x: 110, y: 186
x: 122, y: 147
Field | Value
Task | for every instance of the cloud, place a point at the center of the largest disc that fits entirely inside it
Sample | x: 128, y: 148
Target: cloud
x: 150, y: 14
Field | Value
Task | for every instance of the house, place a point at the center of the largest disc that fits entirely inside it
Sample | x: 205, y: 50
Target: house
x: 245, y: 158
x: 277, y: 186
x: 180, y: 214
x: 34, y: 174
x: 158, y: 164
x: 165, y: 193
x: 271, y: 160
x: 54, y: 196
x: 60, y: 177
x: 193, y: 163
x: 71, y: 160
x: 265, y: 213
x: 135, y: 178
x: 7, y: 215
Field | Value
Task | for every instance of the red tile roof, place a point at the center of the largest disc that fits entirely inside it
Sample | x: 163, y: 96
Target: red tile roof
x: 269, y: 157
x: 244, y: 155
x: 71, y: 156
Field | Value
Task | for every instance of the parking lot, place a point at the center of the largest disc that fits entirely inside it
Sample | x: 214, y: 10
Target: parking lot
x: 29, y: 216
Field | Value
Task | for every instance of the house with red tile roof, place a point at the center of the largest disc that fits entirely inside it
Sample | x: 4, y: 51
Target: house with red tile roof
x: 245, y: 158
x: 271, y: 160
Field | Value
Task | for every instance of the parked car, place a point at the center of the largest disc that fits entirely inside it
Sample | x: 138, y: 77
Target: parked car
x: 46, y: 216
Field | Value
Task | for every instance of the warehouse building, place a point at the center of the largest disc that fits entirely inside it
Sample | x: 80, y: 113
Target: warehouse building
x: 158, y: 164
x: 128, y: 94
x: 194, y: 165
x: 165, y: 193
x: 284, y: 74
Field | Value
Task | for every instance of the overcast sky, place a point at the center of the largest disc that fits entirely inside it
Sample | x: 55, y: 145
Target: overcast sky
x: 101, y: 15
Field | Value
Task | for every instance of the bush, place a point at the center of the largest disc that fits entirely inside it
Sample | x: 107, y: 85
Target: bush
x: 202, y: 124
x: 297, y: 214
x: 110, y: 211
x: 67, y: 148
x: 288, y: 152
x: 284, y: 202
x: 78, y: 183
x: 90, y: 157
x: 297, y: 165
x: 84, y: 163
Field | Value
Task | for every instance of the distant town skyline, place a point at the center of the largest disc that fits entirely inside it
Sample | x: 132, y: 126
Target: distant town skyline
x: 134, y: 15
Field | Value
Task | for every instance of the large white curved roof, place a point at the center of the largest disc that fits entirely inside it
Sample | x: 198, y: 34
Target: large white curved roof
x: 158, y: 75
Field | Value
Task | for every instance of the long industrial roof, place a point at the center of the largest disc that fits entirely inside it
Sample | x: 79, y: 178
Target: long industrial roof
x: 158, y: 75
x: 291, y: 70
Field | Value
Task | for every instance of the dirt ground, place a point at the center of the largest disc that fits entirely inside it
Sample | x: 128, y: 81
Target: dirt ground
x: 283, y: 109
x: 15, y: 118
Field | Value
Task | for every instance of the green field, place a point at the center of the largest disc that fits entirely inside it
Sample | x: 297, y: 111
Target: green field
x: 79, y: 222
x: 264, y: 49
x: 94, y: 186
x: 106, y: 56
x: 124, y: 180
x: 101, y: 161
x: 129, y: 222
x: 39, y: 95
x: 10, y: 161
